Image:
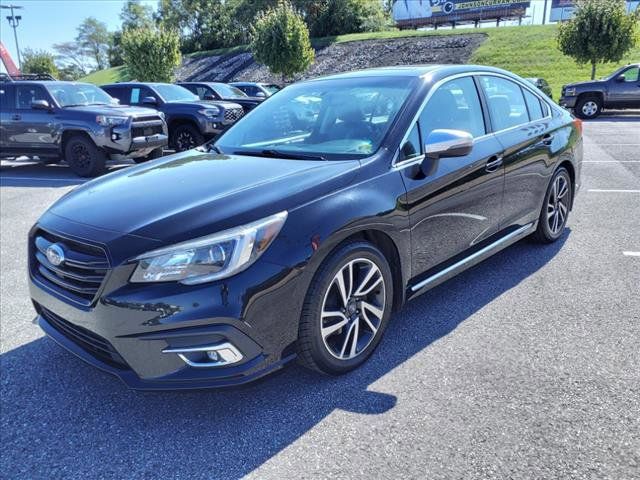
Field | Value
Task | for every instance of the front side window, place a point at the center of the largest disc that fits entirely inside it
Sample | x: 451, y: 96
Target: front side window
x: 228, y: 91
x: 27, y: 94
x: 78, y: 94
x: 507, y: 106
x: 631, y: 75
x: 174, y: 93
x: 333, y: 119
x: 411, y: 148
x: 455, y: 106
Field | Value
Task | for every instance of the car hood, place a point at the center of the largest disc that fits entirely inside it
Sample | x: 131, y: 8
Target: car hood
x: 120, y: 110
x: 194, y: 193
x: 198, y: 105
x: 588, y: 83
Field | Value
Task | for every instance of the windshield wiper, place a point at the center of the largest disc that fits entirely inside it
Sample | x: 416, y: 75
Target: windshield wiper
x: 270, y: 153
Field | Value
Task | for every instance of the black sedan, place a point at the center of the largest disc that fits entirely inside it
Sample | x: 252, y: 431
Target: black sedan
x: 222, y: 91
x: 294, y: 238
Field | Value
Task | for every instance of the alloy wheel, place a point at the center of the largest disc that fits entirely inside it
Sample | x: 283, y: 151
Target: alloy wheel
x: 81, y: 156
x: 590, y: 108
x: 352, y: 309
x: 558, y: 204
x: 185, y: 141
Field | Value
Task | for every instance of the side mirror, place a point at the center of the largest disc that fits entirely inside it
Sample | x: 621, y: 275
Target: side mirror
x: 149, y: 101
x: 621, y: 78
x: 209, y: 96
x: 40, y: 105
x: 260, y: 95
x: 448, y: 143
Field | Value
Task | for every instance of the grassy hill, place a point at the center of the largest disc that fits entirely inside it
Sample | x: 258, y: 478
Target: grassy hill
x: 529, y: 51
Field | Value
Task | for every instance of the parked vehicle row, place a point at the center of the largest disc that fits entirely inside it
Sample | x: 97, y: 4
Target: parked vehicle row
x: 85, y: 125
x: 285, y: 240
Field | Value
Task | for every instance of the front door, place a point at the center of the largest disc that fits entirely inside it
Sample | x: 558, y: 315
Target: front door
x: 625, y: 94
x: 33, y: 129
x: 454, y: 203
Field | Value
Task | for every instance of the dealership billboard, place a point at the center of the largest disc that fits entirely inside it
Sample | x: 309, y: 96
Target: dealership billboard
x: 429, y: 12
x: 562, y: 10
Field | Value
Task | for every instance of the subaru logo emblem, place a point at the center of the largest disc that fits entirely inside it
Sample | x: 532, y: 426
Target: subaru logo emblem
x: 55, y: 254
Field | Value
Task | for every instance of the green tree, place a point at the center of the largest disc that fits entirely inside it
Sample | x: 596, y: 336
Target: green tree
x: 136, y: 15
x: 71, y: 53
x: 601, y: 31
x: 38, y: 61
x: 70, y: 72
x: 337, y: 17
x: 94, y: 38
x: 280, y: 40
x: 151, y: 54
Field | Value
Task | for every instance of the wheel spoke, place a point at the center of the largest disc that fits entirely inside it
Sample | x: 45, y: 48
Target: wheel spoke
x: 372, y: 327
x: 563, y: 189
x: 331, y: 329
x: 354, y: 343
x: 555, y: 191
x: 378, y: 312
x: 360, y: 291
x: 346, y: 340
x: 339, y: 280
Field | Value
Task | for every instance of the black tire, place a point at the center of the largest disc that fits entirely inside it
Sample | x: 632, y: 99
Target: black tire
x: 84, y: 158
x: 155, y: 153
x: 319, y: 352
x: 185, y: 137
x: 554, y: 205
x: 588, y: 107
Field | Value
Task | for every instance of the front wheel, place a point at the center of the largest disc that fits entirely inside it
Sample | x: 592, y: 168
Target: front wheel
x: 555, y: 210
x: 346, y: 310
x: 186, y: 137
x: 588, y: 108
x: 84, y: 157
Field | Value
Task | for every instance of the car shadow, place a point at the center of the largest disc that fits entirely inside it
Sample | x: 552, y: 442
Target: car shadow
x: 62, y: 417
x: 618, y: 116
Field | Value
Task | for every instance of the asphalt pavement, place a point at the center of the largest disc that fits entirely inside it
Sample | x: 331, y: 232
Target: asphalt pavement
x: 526, y: 366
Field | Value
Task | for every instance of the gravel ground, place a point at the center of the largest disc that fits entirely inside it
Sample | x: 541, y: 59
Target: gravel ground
x: 526, y: 366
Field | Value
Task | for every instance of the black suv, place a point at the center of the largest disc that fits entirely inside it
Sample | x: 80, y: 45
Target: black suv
x: 619, y: 90
x: 191, y: 121
x: 77, y: 122
x: 222, y: 91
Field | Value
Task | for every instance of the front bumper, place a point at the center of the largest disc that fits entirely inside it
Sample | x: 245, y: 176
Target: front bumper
x: 126, y: 328
x: 568, y: 102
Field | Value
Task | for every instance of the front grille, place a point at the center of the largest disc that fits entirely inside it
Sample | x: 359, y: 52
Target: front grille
x: 86, y: 339
x: 233, y: 114
x: 80, y: 274
x: 146, y: 126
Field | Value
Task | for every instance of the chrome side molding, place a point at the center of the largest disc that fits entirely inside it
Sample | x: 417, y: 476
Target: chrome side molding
x: 474, y: 258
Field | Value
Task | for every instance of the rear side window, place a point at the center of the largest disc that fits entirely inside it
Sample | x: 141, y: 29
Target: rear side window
x: 454, y: 105
x: 533, y: 105
x: 119, y: 93
x: 26, y: 94
x: 507, y: 106
x: 6, y: 98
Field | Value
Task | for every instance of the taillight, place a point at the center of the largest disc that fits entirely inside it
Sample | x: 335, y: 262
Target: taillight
x: 578, y: 124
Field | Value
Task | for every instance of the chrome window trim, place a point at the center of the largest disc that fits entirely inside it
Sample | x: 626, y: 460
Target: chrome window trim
x: 404, y: 163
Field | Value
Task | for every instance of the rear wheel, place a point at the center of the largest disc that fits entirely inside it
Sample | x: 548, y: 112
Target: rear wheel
x: 84, y: 158
x: 346, y: 310
x: 186, y: 137
x: 156, y: 153
x: 555, y: 210
x: 588, y: 107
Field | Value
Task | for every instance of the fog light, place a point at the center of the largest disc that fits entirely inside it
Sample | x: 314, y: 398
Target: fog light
x: 214, y: 355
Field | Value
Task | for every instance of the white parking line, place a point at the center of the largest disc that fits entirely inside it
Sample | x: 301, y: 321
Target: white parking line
x: 599, y: 190
x: 631, y: 254
x: 36, y: 179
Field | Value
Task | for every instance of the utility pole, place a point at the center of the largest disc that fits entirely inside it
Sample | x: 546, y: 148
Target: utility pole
x: 14, y: 21
x: 544, y: 13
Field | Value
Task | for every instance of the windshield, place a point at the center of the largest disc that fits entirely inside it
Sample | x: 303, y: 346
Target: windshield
x: 175, y: 93
x: 332, y: 119
x: 74, y: 94
x: 228, y: 91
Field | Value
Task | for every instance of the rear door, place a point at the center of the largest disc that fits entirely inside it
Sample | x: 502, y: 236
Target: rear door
x: 522, y: 124
x: 454, y: 203
x: 625, y: 94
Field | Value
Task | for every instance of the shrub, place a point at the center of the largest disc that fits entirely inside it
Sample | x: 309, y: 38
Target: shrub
x: 38, y: 61
x: 150, y: 54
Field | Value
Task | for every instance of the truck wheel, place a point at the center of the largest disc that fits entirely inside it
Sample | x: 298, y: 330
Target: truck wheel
x: 588, y: 107
x: 84, y: 158
x: 186, y: 137
x: 157, y: 153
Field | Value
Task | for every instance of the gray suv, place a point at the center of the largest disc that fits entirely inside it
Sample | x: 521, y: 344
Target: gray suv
x: 77, y: 122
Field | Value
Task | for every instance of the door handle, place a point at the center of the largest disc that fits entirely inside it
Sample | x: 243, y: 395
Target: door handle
x: 547, y: 139
x: 494, y: 163
x: 16, y: 117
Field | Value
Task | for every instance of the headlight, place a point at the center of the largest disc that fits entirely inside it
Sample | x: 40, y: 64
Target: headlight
x: 570, y: 91
x: 212, y: 111
x: 109, y: 121
x: 213, y: 257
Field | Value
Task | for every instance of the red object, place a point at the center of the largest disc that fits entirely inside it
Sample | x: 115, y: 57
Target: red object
x: 8, y: 61
x: 578, y: 123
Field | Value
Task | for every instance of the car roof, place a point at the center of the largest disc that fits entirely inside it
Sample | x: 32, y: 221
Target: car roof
x: 417, y: 71
x: 133, y: 84
x: 46, y: 82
